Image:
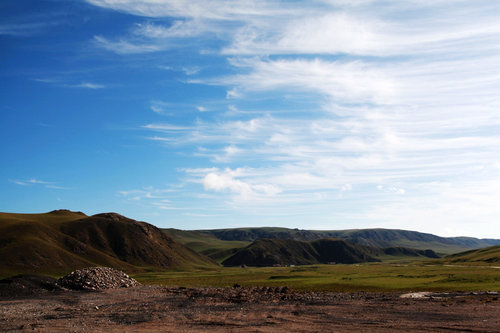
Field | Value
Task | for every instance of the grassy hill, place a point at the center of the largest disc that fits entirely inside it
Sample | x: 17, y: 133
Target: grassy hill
x: 60, y: 241
x: 207, y: 244
x: 269, y: 252
x: 381, y: 238
x: 485, y: 256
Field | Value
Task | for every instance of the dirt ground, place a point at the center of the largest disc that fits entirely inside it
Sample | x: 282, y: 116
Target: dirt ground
x: 154, y: 308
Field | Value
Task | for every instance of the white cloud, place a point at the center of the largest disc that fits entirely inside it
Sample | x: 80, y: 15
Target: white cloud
x: 393, y: 98
x: 352, y: 81
x: 160, y: 107
x: 233, y: 93
x: 38, y: 182
x: 226, y: 180
x: 166, y: 127
x: 60, y: 82
x: 127, y: 47
x: 462, y: 208
x: 212, y: 9
x: 333, y: 33
x: 178, y: 29
x: 26, y: 29
x: 328, y: 27
x: 88, y: 85
x: 149, y: 196
x: 31, y: 181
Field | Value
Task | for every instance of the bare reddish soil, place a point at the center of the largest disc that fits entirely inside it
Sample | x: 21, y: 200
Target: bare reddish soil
x: 154, y: 308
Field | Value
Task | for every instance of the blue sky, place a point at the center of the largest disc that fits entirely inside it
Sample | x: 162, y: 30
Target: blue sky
x: 325, y: 114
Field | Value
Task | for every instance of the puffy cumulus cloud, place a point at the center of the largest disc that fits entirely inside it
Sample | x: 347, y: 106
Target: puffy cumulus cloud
x: 226, y: 180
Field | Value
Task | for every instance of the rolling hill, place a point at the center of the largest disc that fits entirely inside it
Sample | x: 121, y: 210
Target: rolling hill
x: 271, y: 252
x: 381, y: 238
x: 486, y: 256
x: 60, y: 241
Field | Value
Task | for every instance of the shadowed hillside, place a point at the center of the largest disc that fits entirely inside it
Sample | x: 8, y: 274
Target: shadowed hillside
x: 61, y: 241
x: 269, y: 252
x: 407, y: 252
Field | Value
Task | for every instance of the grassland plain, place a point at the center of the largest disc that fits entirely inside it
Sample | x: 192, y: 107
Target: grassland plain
x: 338, y: 278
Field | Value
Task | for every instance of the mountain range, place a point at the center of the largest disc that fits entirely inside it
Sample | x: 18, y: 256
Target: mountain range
x: 381, y: 238
x: 60, y: 241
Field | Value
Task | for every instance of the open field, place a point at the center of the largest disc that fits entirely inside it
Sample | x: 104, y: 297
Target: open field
x: 338, y: 278
x: 342, y: 298
x: 162, y: 309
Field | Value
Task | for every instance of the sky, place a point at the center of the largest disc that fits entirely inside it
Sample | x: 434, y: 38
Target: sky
x: 321, y: 114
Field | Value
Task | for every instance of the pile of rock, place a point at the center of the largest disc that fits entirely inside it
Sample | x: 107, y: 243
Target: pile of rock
x: 97, y: 278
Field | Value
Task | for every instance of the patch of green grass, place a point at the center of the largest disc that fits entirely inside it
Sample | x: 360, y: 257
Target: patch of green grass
x: 338, y: 278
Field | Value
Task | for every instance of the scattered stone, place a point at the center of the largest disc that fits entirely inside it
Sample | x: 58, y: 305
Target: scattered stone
x: 97, y: 278
x: 27, y: 285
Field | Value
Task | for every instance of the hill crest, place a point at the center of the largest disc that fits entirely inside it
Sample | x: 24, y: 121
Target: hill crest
x: 60, y: 241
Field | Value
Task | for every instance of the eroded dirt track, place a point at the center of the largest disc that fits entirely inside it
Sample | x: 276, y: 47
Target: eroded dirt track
x: 152, y: 308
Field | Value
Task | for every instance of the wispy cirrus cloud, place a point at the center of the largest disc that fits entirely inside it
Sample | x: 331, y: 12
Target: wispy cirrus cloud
x: 370, y: 28
x: 396, y: 99
x: 126, y: 47
x: 159, y: 198
x: 38, y: 182
x: 28, y: 182
x: 88, y: 85
x: 64, y: 83
x: 213, y: 10
x: 26, y: 29
x: 353, y: 81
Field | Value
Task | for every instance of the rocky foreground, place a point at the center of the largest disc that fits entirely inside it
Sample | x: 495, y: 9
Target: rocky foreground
x: 46, y: 306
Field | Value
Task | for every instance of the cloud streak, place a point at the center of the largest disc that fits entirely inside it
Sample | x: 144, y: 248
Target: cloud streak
x: 38, y: 182
x: 357, y: 110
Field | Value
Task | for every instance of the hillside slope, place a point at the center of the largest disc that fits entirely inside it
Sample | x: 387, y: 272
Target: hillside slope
x: 270, y: 252
x: 485, y: 256
x: 60, y: 241
x: 381, y: 238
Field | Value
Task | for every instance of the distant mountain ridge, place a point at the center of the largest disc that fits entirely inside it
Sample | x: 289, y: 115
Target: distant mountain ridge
x: 381, y: 238
x: 61, y: 241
